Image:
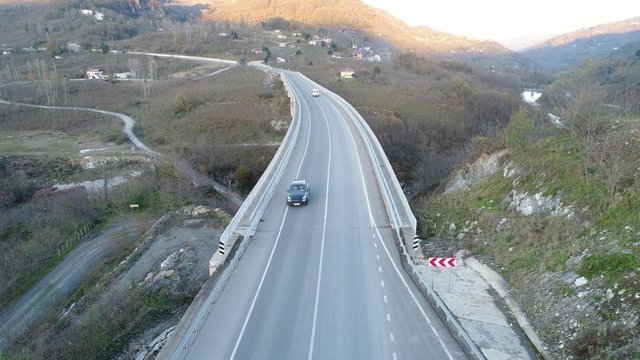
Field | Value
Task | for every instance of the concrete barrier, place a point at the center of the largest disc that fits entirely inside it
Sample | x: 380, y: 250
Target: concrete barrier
x: 247, y: 217
x: 242, y: 227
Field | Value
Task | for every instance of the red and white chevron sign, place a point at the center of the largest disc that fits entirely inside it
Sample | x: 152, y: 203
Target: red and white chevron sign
x: 442, y: 262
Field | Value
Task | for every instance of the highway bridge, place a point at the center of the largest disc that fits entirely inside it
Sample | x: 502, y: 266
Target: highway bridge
x: 323, y: 281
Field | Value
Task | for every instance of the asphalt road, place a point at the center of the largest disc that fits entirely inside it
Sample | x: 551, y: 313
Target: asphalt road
x: 64, y: 279
x: 323, y: 281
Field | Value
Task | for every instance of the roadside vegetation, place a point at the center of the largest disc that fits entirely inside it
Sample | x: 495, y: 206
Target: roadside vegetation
x: 583, y: 176
x: 429, y: 115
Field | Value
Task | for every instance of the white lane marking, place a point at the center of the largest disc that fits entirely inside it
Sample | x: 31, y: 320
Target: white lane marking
x: 306, y: 147
x: 388, y: 317
x: 395, y: 267
x: 395, y: 356
x: 382, y: 283
x: 324, y: 232
x: 375, y: 245
x: 379, y: 269
x: 95, y: 249
x: 273, y: 250
x: 374, y: 235
x: 385, y: 298
x: 255, y: 297
x: 377, y: 257
x: 391, y: 337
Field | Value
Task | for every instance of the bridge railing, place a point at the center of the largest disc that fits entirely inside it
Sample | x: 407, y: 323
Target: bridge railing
x: 243, y: 225
x: 247, y: 217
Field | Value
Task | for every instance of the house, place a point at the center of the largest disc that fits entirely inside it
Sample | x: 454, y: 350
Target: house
x: 124, y: 75
x: 280, y: 36
x: 280, y: 60
x: 327, y: 41
x: 96, y: 73
x: 223, y: 34
x: 347, y: 74
x: 359, y: 54
x: 86, y: 12
x: 74, y: 47
x: 315, y: 42
x: 256, y: 51
x: 99, y: 16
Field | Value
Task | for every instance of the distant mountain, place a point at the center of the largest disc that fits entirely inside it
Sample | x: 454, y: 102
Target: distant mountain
x: 351, y: 14
x: 135, y: 8
x: 568, y: 50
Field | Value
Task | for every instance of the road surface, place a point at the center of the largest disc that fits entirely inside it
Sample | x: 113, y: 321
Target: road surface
x: 323, y: 281
x: 64, y: 279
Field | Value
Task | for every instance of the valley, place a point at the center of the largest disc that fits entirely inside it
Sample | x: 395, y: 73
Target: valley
x: 550, y: 206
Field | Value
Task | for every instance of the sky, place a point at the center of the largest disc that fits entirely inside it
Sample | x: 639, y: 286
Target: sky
x: 509, y: 22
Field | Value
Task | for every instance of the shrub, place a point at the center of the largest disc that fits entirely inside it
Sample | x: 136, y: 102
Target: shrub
x: 518, y: 134
x: 610, y: 265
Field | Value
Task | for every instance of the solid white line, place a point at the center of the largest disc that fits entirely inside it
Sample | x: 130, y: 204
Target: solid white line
x: 375, y: 227
x: 255, y: 297
x: 324, y: 232
x: 275, y: 245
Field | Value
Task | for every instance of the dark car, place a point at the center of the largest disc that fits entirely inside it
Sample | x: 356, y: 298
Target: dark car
x: 298, y: 193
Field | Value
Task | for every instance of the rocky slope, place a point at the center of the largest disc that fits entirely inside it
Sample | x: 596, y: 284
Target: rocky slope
x: 548, y: 251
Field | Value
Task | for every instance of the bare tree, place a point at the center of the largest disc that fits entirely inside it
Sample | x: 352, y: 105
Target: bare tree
x: 615, y: 156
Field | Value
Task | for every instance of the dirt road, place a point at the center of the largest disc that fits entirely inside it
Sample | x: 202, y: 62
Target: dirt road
x: 65, y: 278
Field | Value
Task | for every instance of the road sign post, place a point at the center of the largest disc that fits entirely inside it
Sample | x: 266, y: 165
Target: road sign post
x: 442, y: 262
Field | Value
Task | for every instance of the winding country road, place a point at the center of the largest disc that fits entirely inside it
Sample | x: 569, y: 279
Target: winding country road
x: 64, y: 279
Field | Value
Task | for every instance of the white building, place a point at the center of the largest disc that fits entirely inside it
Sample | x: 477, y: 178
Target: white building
x: 347, y: 74
x: 96, y: 73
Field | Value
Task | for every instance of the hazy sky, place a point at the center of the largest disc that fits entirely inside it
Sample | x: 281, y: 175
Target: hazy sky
x: 508, y: 21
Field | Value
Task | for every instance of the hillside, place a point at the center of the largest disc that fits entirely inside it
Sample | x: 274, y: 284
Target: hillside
x: 557, y: 211
x: 350, y: 14
x: 568, y: 50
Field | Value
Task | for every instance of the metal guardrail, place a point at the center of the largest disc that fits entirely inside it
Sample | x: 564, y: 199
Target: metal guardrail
x: 265, y: 189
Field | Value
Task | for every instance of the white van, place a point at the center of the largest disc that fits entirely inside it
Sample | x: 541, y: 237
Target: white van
x: 315, y: 92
